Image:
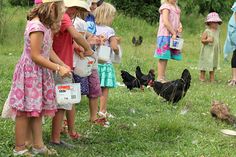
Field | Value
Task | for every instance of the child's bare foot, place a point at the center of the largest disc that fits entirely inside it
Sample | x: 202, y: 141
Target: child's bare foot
x: 202, y: 79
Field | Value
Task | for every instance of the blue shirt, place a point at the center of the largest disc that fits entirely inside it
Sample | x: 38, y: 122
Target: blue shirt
x: 230, y: 43
x: 90, y: 19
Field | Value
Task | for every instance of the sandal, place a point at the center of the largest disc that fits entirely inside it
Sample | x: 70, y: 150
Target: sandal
x: 101, y: 122
x: 231, y: 82
x: 24, y: 152
x: 44, y: 151
x: 105, y: 115
x: 75, y: 136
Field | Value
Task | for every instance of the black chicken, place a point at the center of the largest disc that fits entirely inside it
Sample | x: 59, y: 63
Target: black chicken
x: 145, y: 79
x: 138, y: 41
x: 173, y: 91
x: 129, y: 80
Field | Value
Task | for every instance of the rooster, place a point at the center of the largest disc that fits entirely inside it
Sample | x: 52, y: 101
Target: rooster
x: 173, y: 91
x: 221, y: 111
x: 129, y: 80
x: 138, y: 41
x: 145, y: 79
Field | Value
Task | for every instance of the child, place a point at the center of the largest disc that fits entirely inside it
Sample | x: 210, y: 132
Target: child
x: 94, y: 82
x: 209, y: 56
x: 32, y: 91
x: 104, y: 16
x: 169, y: 27
x: 230, y: 44
x: 63, y: 46
x: 90, y: 19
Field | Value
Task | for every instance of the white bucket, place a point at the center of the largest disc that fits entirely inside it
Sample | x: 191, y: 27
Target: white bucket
x: 116, y: 58
x: 83, y: 67
x: 68, y: 93
x: 104, y: 54
x: 177, y: 43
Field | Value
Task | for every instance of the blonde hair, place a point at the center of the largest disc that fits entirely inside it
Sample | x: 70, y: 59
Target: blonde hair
x: 166, y: 1
x: 105, y: 14
x: 49, y: 16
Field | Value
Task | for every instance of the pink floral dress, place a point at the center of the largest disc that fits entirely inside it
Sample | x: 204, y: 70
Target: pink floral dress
x: 32, y: 92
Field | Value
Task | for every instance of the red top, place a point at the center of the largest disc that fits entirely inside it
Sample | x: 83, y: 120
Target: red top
x: 63, y: 42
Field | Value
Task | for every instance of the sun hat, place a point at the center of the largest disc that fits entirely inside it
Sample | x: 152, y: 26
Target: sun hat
x: 234, y: 7
x: 213, y: 17
x: 99, y: 2
x: 45, y: 1
x: 77, y: 3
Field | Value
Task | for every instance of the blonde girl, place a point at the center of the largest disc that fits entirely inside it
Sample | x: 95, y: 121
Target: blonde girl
x: 169, y: 27
x: 32, y: 91
x: 104, y: 16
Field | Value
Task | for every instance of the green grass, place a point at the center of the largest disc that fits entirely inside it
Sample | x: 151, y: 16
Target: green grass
x: 144, y: 124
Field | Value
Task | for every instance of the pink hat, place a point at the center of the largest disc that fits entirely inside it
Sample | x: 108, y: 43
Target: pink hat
x: 213, y: 17
x: 45, y: 1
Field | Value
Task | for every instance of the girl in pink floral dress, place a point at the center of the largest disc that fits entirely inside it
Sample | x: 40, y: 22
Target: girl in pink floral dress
x: 169, y: 27
x: 32, y: 92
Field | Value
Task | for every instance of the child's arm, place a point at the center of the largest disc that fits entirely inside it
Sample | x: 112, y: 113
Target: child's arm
x: 114, y: 44
x: 79, y: 39
x: 79, y: 50
x: 167, y: 24
x: 206, y: 39
x: 55, y: 59
x: 36, y: 40
x: 180, y: 29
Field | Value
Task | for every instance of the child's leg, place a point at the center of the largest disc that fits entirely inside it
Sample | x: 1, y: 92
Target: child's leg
x: 233, y: 65
x: 29, y: 136
x: 37, y: 132
x: 70, y: 116
x: 212, y: 76
x: 93, y: 108
x: 162, y: 64
x: 56, y: 126
x: 21, y: 127
x: 202, y: 75
x: 103, y: 100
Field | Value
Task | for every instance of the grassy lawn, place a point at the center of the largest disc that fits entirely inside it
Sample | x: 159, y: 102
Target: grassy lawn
x: 144, y: 125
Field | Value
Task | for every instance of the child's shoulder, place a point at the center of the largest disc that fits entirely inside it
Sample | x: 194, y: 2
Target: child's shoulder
x: 105, y: 28
x: 35, y: 25
x: 169, y: 7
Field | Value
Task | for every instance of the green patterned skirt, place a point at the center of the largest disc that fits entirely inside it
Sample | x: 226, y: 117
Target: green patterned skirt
x: 107, y: 75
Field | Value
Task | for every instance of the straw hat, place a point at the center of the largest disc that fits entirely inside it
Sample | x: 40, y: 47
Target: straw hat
x: 213, y: 17
x: 99, y: 2
x: 45, y: 1
x: 77, y: 3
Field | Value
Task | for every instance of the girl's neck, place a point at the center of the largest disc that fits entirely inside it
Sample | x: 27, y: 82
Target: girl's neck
x: 213, y: 29
x: 173, y: 4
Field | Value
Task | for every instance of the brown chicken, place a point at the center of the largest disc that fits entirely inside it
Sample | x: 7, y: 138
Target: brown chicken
x: 221, y: 111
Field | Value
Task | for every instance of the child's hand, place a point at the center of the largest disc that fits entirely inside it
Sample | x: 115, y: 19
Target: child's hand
x: 103, y: 39
x: 180, y: 29
x: 210, y: 39
x: 78, y: 49
x: 64, y: 71
x: 81, y: 55
x: 174, y: 36
x: 94, y: 40
x: 88, y: 53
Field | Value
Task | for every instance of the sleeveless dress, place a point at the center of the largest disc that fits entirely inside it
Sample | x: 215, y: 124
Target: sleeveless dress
x: 32, y: 93
x: 210, y: 53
